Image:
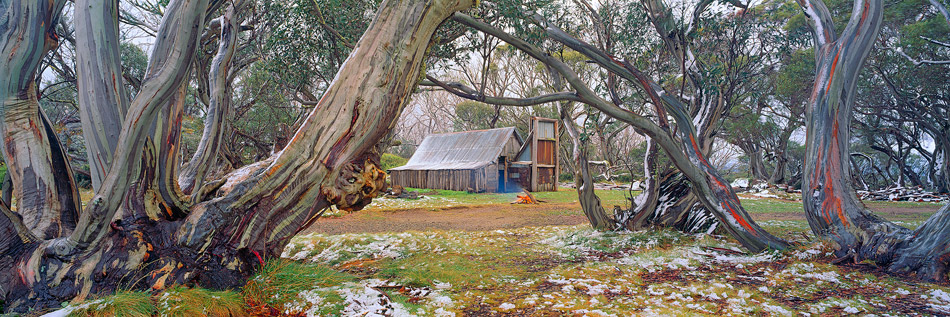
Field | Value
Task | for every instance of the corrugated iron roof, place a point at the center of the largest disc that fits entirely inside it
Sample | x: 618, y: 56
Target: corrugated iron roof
x: 460, y: 150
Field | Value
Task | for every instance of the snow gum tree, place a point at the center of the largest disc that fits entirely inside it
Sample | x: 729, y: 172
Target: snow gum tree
x: 831, y: 206
x: 140, y: 230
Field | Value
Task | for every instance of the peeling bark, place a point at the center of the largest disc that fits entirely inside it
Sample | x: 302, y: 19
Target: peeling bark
x: 220, y: 242
x: 34, y: 158
x: 193, y: 172
x: 103, y: 99
x: 831, y: 207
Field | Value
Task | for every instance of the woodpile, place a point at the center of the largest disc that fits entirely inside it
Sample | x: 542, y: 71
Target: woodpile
x: 399, y: 192
x: 903, y: 194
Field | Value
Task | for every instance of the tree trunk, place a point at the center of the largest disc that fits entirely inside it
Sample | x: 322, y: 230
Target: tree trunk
x: 103, y: 99
x: 781, y: 156
x: 642, y: 208
x: 193, y: 172
x: 47, y: 199
x: 831, y: 207
x: 941, y: 174
x: 220, y: 242
x: 590, y: 203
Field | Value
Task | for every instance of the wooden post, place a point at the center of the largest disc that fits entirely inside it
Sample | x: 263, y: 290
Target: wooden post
x: 557, y: 152
x: 534, y: 153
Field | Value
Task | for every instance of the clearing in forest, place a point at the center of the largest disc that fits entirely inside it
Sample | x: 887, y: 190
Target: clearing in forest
x: 466, y: 254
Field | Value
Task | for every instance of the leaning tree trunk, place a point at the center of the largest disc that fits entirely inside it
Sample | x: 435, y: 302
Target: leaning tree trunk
x: 831, y: 207
x: 680, y: 207
x: 220, y: 242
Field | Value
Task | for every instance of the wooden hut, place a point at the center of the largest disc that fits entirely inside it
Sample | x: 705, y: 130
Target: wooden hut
x: 494, y: 160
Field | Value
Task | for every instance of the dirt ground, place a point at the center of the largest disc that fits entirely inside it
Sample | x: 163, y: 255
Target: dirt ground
x: 504, y: 216
x: 892, y: 213
x: 468, y: 218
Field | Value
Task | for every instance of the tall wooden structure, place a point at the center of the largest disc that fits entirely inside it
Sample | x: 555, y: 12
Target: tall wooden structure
x: 538, y: 158
x: 494, y: 160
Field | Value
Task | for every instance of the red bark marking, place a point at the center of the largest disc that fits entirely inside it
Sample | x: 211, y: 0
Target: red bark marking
x: 844, y: 220
x: 22, y: 277
x: 274, y: 169
x: 699, y: 154
x: 739, y: 219
x: 864, y: 16
x: 831, y: 75
x: 814, y: 178
x: 718, y: 183
x: 259, y: 258
x: 36, y: 130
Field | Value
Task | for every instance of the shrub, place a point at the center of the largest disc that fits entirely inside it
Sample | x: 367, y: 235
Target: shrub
x: 392, y: 160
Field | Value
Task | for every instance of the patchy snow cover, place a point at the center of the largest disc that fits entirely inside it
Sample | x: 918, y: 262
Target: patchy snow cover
x: 939, y: 301
x: 740, y: 183
x: 370, y: 302
x: 381, y: 203
x: 604, y: 273
x: 764, y: 193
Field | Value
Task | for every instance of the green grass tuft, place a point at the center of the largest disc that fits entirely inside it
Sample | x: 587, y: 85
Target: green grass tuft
x: 183, y: 301
x: 282, y: 283
x: 122, y: 303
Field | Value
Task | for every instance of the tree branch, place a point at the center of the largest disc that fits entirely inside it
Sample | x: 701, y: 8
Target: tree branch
x: 22, y: 231
x: 466, y: 92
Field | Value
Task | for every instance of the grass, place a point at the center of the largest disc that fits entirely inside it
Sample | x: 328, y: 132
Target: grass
x: 575, y: 270
x: 552, y: 270
x: 763, y: 206
x: 122, y: 303
x: 176, y: 301
x: 183, y: 301
x: 293, y: 287
x: 436, y: 199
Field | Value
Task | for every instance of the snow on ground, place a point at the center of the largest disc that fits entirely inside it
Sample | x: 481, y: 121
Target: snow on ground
x: 381, y: 203
x: 587, y: 272
x: 574, y: 270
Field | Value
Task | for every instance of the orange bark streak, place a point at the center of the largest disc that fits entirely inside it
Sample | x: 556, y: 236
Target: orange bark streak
x: 273, y: 169
x: 831, y: 75
x: 739, y: 219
